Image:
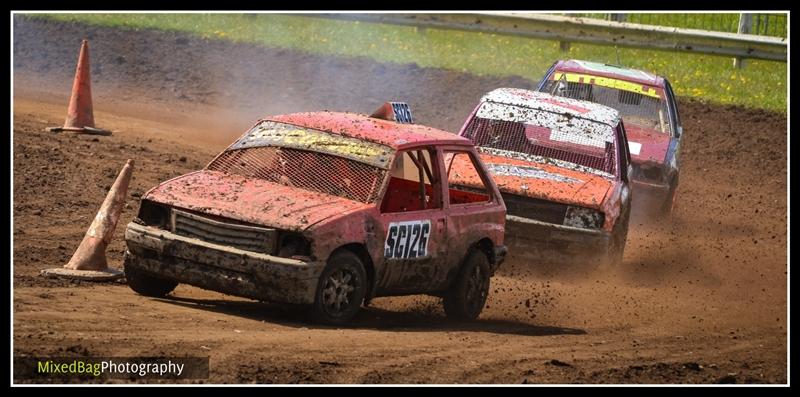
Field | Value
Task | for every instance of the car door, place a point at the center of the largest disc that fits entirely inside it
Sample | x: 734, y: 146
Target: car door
x: 413, y: 225
x: 471, y: 203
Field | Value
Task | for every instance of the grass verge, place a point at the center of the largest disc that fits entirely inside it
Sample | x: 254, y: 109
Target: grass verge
x: 761, y: 84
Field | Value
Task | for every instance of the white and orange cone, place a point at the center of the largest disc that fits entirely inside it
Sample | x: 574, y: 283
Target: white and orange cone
x: 89, y: 261
x: 80, y: 116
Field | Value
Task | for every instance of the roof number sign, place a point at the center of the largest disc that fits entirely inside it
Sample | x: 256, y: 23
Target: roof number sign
x: 402, y: 112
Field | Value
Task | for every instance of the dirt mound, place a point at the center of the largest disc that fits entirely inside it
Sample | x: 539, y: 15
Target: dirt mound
x: 705, y: 289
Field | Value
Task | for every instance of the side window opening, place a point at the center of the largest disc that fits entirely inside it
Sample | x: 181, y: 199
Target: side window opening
x: 625, y: 155
x: 464, y: 182
x: 673, y: 102
x: 413, y: 183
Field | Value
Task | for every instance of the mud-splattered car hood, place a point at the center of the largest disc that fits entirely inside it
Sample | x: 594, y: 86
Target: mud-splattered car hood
x: 250, y: 200
x: 647, y: 145
x: 547, y: 181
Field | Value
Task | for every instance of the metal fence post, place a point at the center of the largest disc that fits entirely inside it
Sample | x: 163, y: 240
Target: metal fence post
x: 617, y: 17
x: 745, y: 26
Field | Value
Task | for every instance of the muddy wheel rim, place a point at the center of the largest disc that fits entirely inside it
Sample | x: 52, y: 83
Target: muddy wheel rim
x: 477, y: 288
x: 337, y: 293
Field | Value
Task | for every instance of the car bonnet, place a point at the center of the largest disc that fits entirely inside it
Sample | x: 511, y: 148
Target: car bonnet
x: 647, y: 144
x: 547, y: 181
x: 251, y: 200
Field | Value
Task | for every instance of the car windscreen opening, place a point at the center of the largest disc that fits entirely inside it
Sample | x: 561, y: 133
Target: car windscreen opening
x: 308, y: 170
x: 640, y: 107
x: 573, y: 142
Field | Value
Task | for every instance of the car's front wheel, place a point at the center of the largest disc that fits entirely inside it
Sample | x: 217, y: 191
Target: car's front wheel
x: 341, y: 289
x: 146, y: 284
x: 618, y: 239
x: 668, y: 206
x: 467, y: 296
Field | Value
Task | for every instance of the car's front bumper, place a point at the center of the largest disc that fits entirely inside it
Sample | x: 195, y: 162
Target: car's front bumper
x: 500, y: 253
x: 167, y: 255
x: 530, y: 238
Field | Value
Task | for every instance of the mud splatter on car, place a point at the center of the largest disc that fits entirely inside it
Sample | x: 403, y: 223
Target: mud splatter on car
x: 329, y: 210
x: 649, y: 110
x: 562, y: 167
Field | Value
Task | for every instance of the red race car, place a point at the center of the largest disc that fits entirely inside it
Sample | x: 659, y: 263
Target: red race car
x: 562, y: 167
x: 648, y: 107
x: 329, y: 210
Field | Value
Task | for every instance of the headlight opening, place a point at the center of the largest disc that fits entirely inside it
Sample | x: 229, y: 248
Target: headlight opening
x: 584, y: 218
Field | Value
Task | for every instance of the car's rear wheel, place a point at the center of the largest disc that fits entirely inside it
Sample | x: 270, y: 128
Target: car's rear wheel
x: 341, y: 289
x: 467, y: 296
x: 146, y: 284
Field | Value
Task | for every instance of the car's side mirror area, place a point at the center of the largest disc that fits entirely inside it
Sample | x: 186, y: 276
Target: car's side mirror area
x: 630, y: 173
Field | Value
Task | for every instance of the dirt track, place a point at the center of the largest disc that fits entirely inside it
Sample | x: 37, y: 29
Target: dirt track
x: 700, y: 299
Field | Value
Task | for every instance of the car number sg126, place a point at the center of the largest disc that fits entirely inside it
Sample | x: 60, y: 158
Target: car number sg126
x: 407, y: 240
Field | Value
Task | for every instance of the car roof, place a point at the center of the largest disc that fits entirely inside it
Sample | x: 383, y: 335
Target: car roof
x: 360, y: 126
x: 554, y: 104
x: 613, y: 71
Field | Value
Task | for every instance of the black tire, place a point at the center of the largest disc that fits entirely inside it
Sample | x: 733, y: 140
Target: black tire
x: 467, y: 296
x: 341, y: 289
x: 617, y: 249
x: 146, y: 284
x: 669, y: 203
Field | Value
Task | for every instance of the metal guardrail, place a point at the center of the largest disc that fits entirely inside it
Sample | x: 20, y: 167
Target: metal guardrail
x: 761, y: 24
x: 593, y: 31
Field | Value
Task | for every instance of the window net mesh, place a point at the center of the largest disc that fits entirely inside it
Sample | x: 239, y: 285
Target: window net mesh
x: 303, y: 169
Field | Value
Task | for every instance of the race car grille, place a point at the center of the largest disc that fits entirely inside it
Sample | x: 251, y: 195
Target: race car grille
x: 249, y: 238
x: 319, y: 172
x: 531, y: 208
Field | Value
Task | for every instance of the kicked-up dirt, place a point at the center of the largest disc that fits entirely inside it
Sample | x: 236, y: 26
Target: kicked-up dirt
x: 700, y: 298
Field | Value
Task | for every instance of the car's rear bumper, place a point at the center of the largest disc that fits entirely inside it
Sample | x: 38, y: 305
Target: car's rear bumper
x: 220, y: 268
x: 530, y: 238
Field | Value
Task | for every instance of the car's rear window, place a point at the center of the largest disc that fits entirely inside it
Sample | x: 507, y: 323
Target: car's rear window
x: 566, y: 141
x: 309, y: 159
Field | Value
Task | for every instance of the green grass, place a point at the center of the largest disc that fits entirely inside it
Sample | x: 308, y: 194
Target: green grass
x: 761, y: 84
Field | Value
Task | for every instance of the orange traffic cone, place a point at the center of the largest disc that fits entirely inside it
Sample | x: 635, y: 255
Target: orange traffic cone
x: 89, y: 261
x: 80, y: 117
